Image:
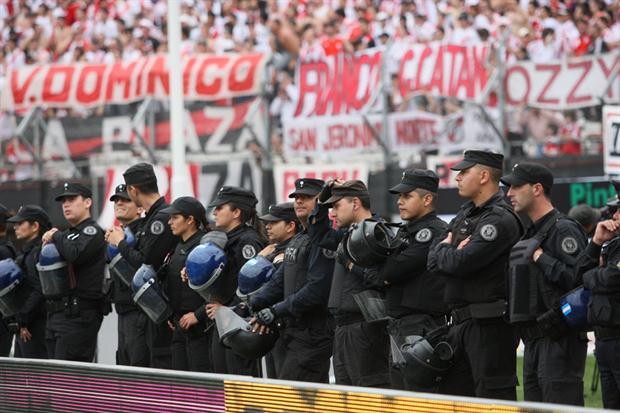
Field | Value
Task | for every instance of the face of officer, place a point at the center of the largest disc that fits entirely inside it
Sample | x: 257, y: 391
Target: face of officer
x: 343, y: 211
x: 304, y: 204
x: 226, y: 217
x: 76, y: 208
x: 26, y: 230
x: 412, y: 205
x: 126, y: 211
x: 470, y: 180
x: 279, y: 231
x: 522, y: 197
x: 182, y: 226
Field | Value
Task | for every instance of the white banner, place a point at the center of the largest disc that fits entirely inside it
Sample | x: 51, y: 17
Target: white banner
x: 611, y: 139
x: 441, y: 165
x: 285, y: 175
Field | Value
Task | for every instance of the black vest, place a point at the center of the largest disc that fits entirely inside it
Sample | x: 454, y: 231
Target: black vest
x: 296, y: 257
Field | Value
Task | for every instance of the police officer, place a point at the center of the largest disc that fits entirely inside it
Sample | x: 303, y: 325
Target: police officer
x: 132, y: 348
x: 30, y: 222
x: 555, y: 355
x: 297, y: 296
x: 414, y: 296
x: 190, y: 344
x: 154, y: 242
x: 235, y: 214
x: 7, y: 250
x: 587, y: 216
x: 599, y: 266
x: 474, y: 258
x: 74, y: 321
x: 360, y: 352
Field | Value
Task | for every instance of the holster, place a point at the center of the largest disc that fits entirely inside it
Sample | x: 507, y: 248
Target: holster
x: 552, y: 324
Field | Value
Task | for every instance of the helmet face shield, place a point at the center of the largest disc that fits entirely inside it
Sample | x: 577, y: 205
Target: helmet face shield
x: 53, y: 273
x: 370, y: 242
x: 148, y: 295
x: 10, y: 281
x: 236, y: 334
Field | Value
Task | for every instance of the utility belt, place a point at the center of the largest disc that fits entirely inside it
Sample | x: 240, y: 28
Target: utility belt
x: 347, y: 318
x: 606, y: 333
x: 478, y: 311
x: 72, y: 306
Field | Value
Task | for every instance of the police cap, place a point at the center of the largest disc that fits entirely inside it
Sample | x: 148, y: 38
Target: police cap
x: 241, y: 197
x: 416, y: 178
x: 529, y: 173
x: 471, y: 158
x: 280, y: 212
x: 307, y: 186
x: 349, y: 188
x: 74, y: 189
x: 120, y: 193
x: 615, y: 203
x: 141, y: 173
x: 31, y: 213
x: 186, y: 205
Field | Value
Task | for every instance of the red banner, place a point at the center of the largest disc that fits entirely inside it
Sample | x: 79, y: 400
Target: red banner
x: 205, y: 78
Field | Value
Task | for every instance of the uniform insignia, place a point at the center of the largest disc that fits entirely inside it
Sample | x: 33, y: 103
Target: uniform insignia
x: 278, y: 258
x: 90, y: 230
x: 73, y: 237
x: 301, y: 184
x: 569, y: 245
x: 488, y: 232
x: 424, y: 235
x: 66, y: 186
x: 157, y: 227
x: 329, y: 254
x: 248, y: 252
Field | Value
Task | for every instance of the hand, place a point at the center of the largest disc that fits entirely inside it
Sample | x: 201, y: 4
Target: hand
x: 448, y: 239
x: 266, y: 316
x: 184, y: 277
x: 605, y: 230
x: 188, y: 321
x: 267, y: 250
x: 25, y: 334
x: 114, y: 236
x: 537, y: 254
x: 170, y: 325
x: 326, y: 192
x: 463, y: 243
x: 211, y: 309
x: 47, y: 237
x: 259, y: 328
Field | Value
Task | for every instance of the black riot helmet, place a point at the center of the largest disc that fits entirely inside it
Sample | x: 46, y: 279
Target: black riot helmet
x: 236, y: 333
x: 370, y: 242
x: 425, y: 365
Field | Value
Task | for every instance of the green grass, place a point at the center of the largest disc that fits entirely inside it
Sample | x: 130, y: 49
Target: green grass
x: 592, y: 399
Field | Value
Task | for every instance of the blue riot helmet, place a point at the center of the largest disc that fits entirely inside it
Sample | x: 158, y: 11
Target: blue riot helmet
x: 148, y: 295
x: 10, y: 279
x: 574, y: 307
x: 118, y: 264
x: 204, y: 265
x: 53, y: 273
x: 253, y: 275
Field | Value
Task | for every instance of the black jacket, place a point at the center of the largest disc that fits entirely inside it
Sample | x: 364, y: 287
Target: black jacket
x: 33, y: 300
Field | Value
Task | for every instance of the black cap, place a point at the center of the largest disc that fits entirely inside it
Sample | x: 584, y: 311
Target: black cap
x: 349, y: 188
x: 241, y: 197
x: 31, y: 213
x: 416, y: 178
x: 120, y: 192
x: 141, y: 173
x: 615, y: 203
x: 280, y: 212
x: 4, y: 214
x: 307, y: 186
x: 471, y: 158
x: 529, y: 173
x: 70, y: 189
x: 186, y: 205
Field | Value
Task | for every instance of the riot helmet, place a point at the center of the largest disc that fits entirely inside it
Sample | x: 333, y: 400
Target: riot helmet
x: 149, y: 296
x: 574, y: 307
x: 370, y: 242
x: 425, y: 364
x: 53, y: 273
x: 253, y: 275
x: 10, y: 279
x: 204, y: 265
x: 118, y: 264
x: 236, y: 334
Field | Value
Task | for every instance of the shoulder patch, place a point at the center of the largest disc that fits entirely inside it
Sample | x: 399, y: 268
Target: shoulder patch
x: 248, y: 251
x: 424, y: 235
x: 157, y: 227
x: 89, y: 230
x: 569, y: 245
x: 329, y: 254
x: 488, y: 232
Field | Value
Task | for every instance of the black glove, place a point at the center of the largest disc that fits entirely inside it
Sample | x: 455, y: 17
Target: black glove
x: 266, y: 316
x: 341, y: 255
x: 326, y: 192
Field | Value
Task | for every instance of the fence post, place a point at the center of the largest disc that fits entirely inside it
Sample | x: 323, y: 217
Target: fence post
x: 501, y: 97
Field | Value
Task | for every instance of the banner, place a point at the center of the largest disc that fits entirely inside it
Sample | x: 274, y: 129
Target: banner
x: 611, y: 139
x: 441, y: 165
x: 285, y: 175
x: 205, y: 78
x: 563, y: 84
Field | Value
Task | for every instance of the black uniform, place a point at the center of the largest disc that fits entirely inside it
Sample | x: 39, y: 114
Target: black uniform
x: 32, y: 315
x: 74, y: 321
x: 154, y: 242
x: 243, y: 244
x: 133, y: 348
x: 554, y: 358
x: 190, y: 349
x: 485, y: 344
x: 7, y: 250
x: 298, y: 295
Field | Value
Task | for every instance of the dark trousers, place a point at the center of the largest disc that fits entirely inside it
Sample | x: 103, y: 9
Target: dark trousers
x: 553, y: 369
x: 399, y: 329
x: 275, y: 359
x: 6, y: 339
x: 159, y: 339
x: 73, y: 338
x: 306, y: 354
x: 133, y: 349
x: 35, y: 348
x: 191, y: 350
x: 361, y: 355
x: 227, y: 362
x: 485, y: 360
x: 608, y: 360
